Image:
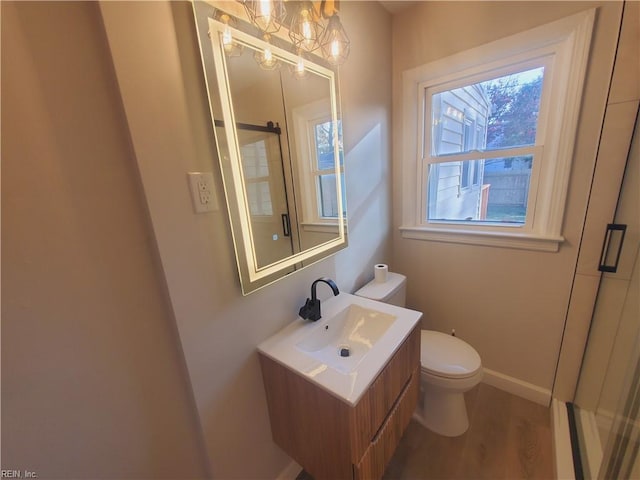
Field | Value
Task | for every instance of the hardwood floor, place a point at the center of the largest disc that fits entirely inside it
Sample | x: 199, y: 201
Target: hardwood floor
x: 508, y: 438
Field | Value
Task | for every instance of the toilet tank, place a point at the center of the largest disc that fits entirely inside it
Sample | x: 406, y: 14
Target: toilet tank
x: 392, y: 291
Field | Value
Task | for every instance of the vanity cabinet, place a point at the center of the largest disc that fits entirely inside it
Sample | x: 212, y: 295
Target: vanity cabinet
x: 333, y: 439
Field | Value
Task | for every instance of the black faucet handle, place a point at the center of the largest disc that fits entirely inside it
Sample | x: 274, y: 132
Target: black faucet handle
x: 310, y: 310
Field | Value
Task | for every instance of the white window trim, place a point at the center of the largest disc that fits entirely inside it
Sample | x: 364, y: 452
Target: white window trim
x: 569, y: 40
x: 304, y: 119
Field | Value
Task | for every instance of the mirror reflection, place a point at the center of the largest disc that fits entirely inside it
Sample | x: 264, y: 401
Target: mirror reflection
x: 262, y: 166
x: 279, y: 141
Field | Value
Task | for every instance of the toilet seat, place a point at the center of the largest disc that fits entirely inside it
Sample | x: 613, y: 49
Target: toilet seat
x: 447, y: 356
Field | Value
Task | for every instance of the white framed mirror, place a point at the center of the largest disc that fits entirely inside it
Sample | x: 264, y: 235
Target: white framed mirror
x: 282, y: 160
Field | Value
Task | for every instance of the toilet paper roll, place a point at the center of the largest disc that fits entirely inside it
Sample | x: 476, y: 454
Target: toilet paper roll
x: 380, y: 272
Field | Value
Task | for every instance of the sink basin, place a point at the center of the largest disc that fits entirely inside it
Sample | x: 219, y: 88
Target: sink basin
x: 343, y: 340
x: 344, y: 351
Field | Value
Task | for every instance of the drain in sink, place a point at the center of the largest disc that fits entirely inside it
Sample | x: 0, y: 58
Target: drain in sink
x: 344, y: 350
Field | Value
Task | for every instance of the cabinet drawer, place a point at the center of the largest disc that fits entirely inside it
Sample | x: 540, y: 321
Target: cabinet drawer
x: 376, y: 403
x: 381, y: 449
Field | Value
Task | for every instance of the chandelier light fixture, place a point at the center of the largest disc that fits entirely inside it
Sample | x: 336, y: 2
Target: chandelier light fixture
x: 298, y: 70
x: 313, y: 26
x: 335, y: 43
x: 305, y: 29
x: 265, y: 57
x: 231, y: 47
x: 267, y: 15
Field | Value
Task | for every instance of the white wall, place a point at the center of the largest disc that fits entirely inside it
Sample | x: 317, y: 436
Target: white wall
x: 617, y: 133
x: 509, y: 304
x: 94, y: 383
x: 162, y: 88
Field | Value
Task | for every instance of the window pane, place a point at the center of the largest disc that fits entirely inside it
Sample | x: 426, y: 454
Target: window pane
x: 464, y: 178
x: 255, y: 163
x: 255, y: 166
x: 496, y: 190
x: 259, y: 199
x: 328, y: 200
x: 324, y: 145
x: 328, y: 197
x: 497, y: 113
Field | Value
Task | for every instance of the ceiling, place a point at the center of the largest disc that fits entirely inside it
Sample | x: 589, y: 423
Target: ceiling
x: 395, y: 6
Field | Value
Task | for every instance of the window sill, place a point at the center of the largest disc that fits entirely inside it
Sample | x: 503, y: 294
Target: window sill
x: 320, y: 227
x: 521, y: 241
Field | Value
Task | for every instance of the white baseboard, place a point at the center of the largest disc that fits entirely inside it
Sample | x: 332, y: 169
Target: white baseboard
x: 562, y: 454
x: 517, y: 387
x: 290, y: 472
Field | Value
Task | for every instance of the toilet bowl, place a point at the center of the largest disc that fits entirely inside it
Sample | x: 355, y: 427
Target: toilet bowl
x: 449, y: 366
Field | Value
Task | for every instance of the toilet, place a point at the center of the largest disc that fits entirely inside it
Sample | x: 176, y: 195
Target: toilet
x: 450, y: 366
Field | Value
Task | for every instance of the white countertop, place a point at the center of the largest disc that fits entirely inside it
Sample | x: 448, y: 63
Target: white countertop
x: 348, y: 387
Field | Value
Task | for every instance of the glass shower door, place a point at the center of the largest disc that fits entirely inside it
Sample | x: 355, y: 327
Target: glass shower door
x: 607, y: 400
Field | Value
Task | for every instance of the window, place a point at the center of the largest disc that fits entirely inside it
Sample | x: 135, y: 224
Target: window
x: 496, y: 118
x: 256, y: 173
x: 487, y: 148
x: 314, y: 137
x: 324, y: 168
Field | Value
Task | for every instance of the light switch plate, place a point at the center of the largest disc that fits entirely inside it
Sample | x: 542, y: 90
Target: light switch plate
x: 202, y: 192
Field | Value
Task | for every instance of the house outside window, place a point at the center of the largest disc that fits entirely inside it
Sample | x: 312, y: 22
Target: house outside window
x: 487, y: 147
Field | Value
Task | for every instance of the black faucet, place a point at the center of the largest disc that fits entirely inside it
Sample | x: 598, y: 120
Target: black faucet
x: 311, y: 308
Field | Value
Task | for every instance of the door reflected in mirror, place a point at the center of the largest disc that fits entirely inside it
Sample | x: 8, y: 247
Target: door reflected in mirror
x: 263, y: 170
x: 279, y: 140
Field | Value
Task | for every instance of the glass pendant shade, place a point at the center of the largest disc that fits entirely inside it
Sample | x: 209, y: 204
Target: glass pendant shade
x: 267, y: 15
x: 231, y: 47
x: 265, y: 57
x: 305, y: 30
x: 335, y: 43
x: 298, y: 69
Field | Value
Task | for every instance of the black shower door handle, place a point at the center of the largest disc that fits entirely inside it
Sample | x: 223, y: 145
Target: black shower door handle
x: 286, y: 226
x: 613, y: 230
